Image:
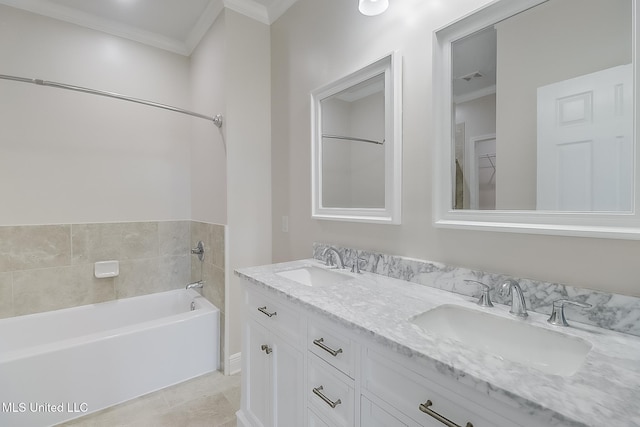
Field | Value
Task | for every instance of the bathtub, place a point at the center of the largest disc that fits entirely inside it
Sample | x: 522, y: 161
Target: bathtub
x: 63, y: 364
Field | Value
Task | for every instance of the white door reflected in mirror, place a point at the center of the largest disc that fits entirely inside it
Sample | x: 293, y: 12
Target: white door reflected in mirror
x: 585, y: 142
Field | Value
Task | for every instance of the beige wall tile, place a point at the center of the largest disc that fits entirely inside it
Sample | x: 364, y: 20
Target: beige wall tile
x: 212, y: 236
x: 174, y: 238
x: 114, y: 241
x: 140, y: 277
x: 213, y: 289
x: 6, y: 295
x: 36, y: 246
x: 174, y: 271
x: 199, y: 231
x: 218, y: 246
x: 47, y: 289
x: 212, y: 269
x: 154, y: 257
x: 5, y: 248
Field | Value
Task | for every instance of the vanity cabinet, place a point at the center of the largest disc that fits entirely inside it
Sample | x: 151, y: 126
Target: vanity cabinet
x: 414, y: 396
x: 273, y: 364
x: 316, y: 372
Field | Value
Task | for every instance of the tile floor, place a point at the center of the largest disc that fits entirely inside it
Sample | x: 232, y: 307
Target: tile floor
x: 210, y: 400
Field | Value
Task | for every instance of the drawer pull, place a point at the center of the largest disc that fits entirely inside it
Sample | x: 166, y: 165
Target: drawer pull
x: 266, y: 348
x: 263, y: 310
x: 320, y: 343
x: 425, y: 407
x: 318, y: 392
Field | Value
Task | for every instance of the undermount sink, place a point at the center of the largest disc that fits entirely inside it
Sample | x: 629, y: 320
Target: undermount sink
x: 515, y: 340
x: 314, y: 276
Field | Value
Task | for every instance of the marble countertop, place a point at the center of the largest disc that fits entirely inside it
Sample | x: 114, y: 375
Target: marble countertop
x: 605, y: 391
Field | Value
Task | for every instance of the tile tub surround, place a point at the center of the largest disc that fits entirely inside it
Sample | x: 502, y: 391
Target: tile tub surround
x: 49, y: 267
x: 211, y: 269
x: 619, y: 313
x: 604, y: 391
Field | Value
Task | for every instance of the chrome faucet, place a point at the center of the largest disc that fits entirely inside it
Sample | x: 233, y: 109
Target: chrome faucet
x: 518, y: 306
x: 198, y: 284
x: 557, y: 313
x: 485, y: 298
x: 329, y: 257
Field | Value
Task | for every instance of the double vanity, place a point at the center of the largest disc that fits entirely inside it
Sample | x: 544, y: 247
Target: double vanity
x: 325, y: 346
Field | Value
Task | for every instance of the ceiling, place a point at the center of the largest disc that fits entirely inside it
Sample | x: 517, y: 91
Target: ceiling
x: 174, y: 25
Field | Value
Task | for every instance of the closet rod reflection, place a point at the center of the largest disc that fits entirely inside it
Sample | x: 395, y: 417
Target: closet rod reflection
x: 351, y: 138
x: 217, y: 120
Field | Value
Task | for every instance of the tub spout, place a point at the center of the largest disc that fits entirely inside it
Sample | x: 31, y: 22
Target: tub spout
x: 198, y: 284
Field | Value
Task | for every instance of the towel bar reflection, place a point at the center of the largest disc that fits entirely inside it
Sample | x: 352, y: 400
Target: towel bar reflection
x: 352, y: 138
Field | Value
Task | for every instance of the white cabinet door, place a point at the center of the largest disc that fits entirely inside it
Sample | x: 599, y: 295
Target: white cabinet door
x: 273, y: 367
x: 257, y: 375
x: 287, y: 384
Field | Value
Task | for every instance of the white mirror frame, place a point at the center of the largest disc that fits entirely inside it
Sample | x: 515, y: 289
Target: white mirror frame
x: 391, y: 67
x: 624, y: 225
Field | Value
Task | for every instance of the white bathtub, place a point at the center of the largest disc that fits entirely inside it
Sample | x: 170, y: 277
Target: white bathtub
x: 60, y: 365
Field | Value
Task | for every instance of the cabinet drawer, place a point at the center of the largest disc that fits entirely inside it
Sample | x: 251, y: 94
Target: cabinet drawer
x: 407, y: 391
x: 330, y: 393
x: 371, y: 415
x: 334, y: 348
x: 314, y: 420
x: 275, y: 315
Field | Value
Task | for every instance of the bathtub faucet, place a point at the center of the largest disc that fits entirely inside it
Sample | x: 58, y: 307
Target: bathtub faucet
x: 198, y: 284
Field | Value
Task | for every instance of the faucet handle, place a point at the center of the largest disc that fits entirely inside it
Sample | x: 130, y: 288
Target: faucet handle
x: 557, y: 312
x: 329, y: 260
x: 485, y: 298
x: 355, y: 268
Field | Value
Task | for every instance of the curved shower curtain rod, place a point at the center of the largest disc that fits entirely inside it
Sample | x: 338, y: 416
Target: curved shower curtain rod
x: 217, y: 120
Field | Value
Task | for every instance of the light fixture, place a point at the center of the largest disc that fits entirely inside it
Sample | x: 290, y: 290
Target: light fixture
x: 372, y: 7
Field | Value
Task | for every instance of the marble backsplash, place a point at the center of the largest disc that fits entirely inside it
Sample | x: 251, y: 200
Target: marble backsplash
x: 610, y: 311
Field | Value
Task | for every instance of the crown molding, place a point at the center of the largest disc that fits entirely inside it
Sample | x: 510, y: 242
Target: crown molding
x: 259, y: 12
x: 210, y: 14
x: 94, y: 22
x: 250, y: 8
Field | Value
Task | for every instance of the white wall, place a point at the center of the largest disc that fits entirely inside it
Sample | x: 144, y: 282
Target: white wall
x: 208, y: 151
x: 70, y: 157
x: 317, y: 42
x: 248, y: 131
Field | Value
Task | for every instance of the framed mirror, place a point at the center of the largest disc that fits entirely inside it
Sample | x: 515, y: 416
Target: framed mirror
x: 535, y: 119
x: 356, y: 137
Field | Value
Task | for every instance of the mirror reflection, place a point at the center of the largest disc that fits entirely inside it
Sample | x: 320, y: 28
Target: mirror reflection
x: 543, y: 110
x: 353, y: 156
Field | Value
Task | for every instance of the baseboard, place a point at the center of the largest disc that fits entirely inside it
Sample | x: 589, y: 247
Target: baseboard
x: 235, y: 364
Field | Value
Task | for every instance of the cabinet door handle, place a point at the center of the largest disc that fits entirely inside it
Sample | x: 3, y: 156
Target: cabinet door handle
x: 425, y: 407
x: 266, y: 348
x: 263, y: 310
x: 318, y: 392
x: 320, y: 343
